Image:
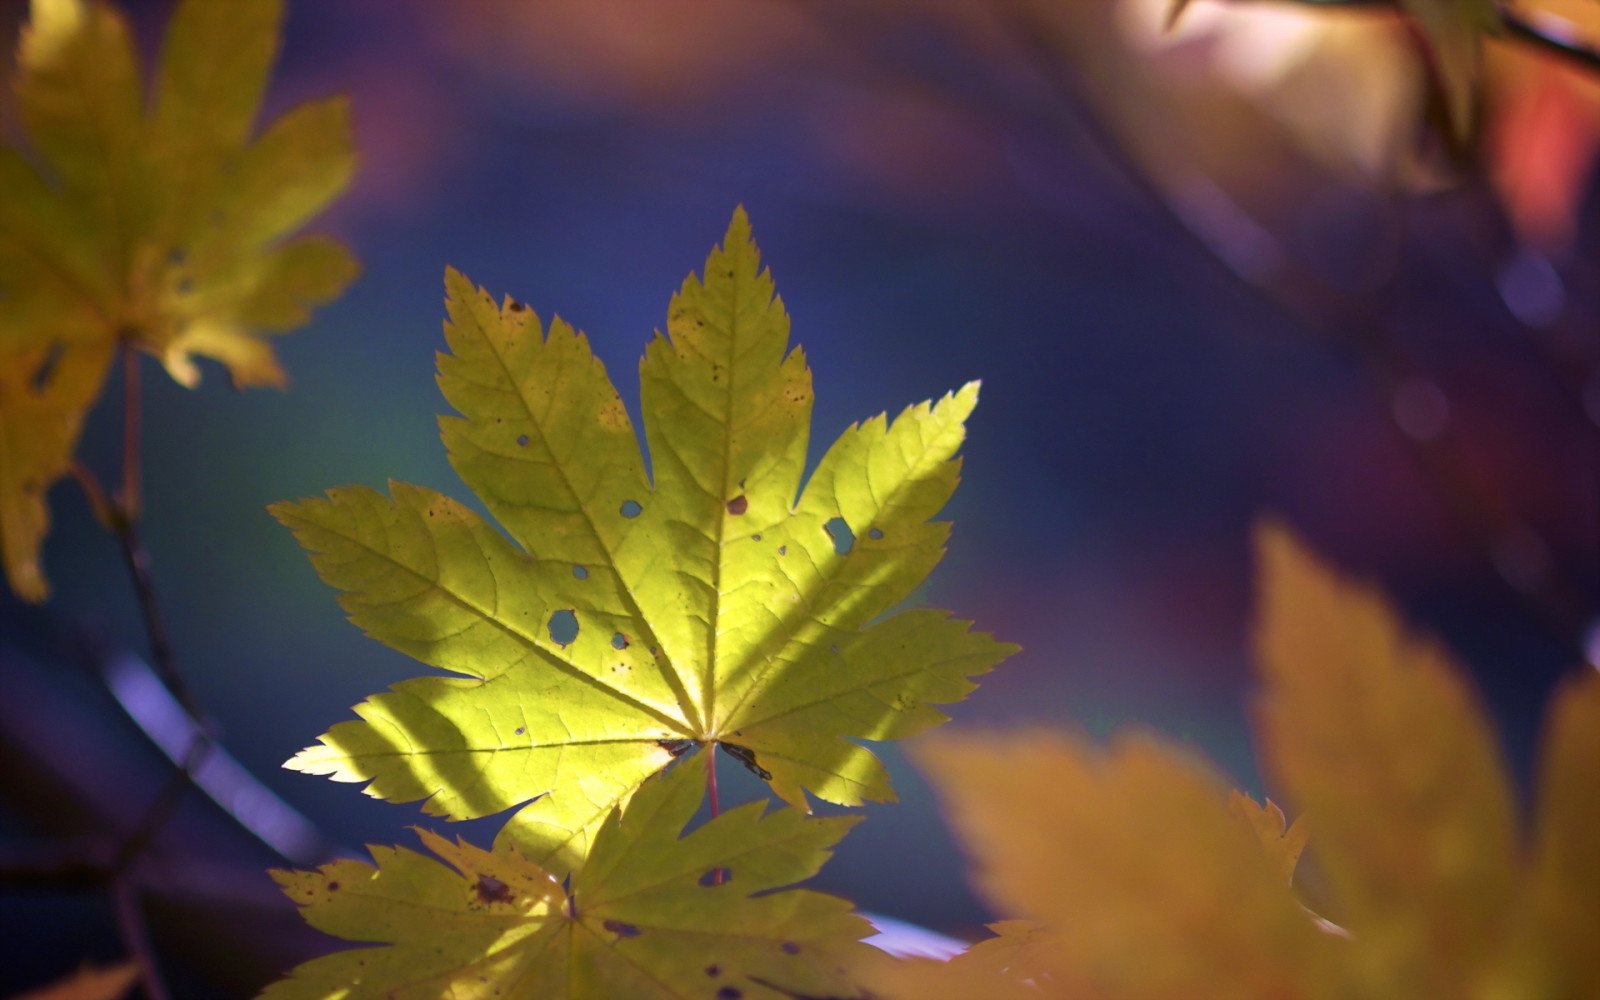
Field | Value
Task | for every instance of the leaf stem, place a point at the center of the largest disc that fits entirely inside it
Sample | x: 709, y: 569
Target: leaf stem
x: 717, y: 875
x: 711, y: 780
x: 128, y: 498
x: 123, y: 518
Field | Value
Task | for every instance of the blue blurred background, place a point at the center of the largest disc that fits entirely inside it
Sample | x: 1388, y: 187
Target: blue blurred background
x: 941, y: 197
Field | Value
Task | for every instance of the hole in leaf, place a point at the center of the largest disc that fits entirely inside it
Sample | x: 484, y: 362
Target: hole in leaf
x: 747, y: 757
x: 738, y: 505
x: 716, y: 876
x: 492, y: 890
x: 874, y: 533
x: 676, y: 747
x: 621, y: 929
x: 631, y: 508
x: 790, y: 948
x: 581, y: 572
x: 522, y: 731
x: 563, y: 627
x: 783, y: 550
x: 729, y: 993
x: 619, y: 640
x: 522, y: 439
x: 755, y: 538
x: 843, y: 538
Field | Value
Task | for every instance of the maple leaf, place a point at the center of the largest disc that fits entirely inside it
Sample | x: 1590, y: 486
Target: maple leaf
x: 627, y: 619
x: 168, y: 231
x: 652, y: 912
x: 1143, y: 878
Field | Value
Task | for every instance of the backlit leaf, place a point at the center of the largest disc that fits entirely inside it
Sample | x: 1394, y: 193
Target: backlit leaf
x: 42, y: 402
x: 165, y: 229
x: 1135, y: 862
x: 1142, y: 880
x: 1566, y: 855
x: 1374, y: 736
x: 717, y: 603
x: 642, y: 919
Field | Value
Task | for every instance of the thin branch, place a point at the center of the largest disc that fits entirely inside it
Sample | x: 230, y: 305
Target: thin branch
x: 136, y: 938
x: 128, y: 499
x: 1518, y: 28
x: 99, y: 502
x: 124, y: 524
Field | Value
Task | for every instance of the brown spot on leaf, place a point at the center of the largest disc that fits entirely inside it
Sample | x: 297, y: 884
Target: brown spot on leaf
x: 738, y: 505
x: 790, y: 948
x: 621, y: 929
x: 492, y: 890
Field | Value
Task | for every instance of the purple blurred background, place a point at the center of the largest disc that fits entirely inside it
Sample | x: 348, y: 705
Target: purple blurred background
x: 937, y: 204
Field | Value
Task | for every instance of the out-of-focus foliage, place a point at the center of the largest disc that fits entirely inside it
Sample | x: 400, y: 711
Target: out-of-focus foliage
x: 713, y: 602
x: 163, y: 225
x: 89, y: 983
x: 652, y: 913
x: 1140, y: 878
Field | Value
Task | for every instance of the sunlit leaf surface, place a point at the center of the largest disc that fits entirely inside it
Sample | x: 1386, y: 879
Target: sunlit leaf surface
x: 629, y: 617
x: 648, y: 915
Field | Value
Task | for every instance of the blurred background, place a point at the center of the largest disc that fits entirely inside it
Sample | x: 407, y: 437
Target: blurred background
x: 1241, y: 267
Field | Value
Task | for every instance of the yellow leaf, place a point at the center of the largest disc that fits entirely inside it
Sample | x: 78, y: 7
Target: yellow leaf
x: 652, y: 914
x: 1566, y: 861
x: 1147, y: 883
x: 1375, y: 738
x: 1283, y: 842
x: 1012, y: 965
x: 42, y: 402
x: 167, y: 230
x: 609, y: 619
x: 1133, y: 857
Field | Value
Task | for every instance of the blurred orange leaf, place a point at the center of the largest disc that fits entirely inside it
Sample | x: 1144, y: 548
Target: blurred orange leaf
x: 1146, y: 879
x: 88, y: 983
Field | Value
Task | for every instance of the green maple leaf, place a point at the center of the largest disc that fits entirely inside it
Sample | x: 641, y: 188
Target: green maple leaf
x: 165, y: 229
x: 626, y: 616
x: 652, y: 913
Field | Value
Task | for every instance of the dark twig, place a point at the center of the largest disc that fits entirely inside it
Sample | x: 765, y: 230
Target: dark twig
x: 1522, y: 30
x: 136, y: 937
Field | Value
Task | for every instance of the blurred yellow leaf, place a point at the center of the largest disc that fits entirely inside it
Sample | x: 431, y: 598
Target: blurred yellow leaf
x: 1374, y: 735
x: 42, y: 402
x: 1283, y: 841
x: 1147, y: 880
x: 1136, y: 862
x: 167, y: 229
